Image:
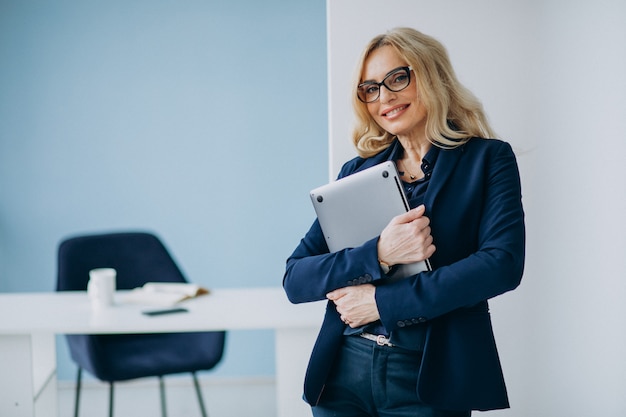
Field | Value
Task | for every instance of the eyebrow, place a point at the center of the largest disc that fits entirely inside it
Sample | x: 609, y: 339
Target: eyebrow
x: 386, y: 75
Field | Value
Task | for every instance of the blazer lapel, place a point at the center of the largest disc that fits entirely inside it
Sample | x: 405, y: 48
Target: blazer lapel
x: 445, y: 165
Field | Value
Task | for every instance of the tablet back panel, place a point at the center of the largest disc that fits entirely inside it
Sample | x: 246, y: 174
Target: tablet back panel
x: 356, y: 208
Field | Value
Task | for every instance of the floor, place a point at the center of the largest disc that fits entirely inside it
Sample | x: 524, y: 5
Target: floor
x: 223, y: 398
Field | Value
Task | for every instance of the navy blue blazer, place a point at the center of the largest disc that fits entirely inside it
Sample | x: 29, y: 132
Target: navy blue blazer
x: 474, y: 203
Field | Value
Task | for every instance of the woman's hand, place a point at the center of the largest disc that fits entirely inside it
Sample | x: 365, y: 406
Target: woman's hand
x: 406, y: 239
x: 356, y: 304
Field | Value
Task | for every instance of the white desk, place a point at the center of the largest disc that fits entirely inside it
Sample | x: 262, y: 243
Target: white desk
x: 28, y: 323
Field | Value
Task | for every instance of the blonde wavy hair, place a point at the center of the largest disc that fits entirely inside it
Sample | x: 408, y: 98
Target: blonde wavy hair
x: 454, y: 113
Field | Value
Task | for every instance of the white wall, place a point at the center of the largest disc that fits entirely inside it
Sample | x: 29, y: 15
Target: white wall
x: 551, y: 75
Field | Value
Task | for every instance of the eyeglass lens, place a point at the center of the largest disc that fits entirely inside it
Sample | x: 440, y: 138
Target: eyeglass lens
x: 398, y: 80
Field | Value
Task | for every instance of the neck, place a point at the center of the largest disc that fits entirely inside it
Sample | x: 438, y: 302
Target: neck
x: 410, y: 165
x: 414, y: 149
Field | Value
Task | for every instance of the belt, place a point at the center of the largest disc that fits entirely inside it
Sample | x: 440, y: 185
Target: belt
x: 379, y: 339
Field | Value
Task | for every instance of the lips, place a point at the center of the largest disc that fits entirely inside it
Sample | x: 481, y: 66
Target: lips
x: 394, y: 111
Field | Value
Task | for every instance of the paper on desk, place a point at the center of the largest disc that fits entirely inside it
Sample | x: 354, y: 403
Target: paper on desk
x: 164, y: 293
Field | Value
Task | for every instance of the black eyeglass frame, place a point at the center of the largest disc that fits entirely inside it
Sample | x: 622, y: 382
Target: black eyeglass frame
x: 407, y: 70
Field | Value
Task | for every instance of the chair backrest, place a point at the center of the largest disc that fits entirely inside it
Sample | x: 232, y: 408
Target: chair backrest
x: 138, y: 257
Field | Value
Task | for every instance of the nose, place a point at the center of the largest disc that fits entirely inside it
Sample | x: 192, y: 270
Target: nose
x: 386, y: 95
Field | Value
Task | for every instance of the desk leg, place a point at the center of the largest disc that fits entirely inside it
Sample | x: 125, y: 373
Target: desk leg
x: 28, y: 376
x: 293, y: 348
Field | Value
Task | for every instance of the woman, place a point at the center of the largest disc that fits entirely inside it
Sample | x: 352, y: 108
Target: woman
x: 422, y: 345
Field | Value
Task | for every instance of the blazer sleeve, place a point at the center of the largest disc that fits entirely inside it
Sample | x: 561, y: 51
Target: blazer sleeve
x: 477, y: 224
x: 312, y: 271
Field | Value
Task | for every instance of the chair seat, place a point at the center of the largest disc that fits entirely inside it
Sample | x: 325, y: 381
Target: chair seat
x: 123, y: 357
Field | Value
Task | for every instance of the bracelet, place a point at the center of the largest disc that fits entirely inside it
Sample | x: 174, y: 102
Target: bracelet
x: 384, y: 266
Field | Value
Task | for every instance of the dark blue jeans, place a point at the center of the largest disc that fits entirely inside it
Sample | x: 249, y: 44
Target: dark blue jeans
x: 375, y: 381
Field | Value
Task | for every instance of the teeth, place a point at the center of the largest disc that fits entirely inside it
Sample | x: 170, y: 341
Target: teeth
x: 394, y: 111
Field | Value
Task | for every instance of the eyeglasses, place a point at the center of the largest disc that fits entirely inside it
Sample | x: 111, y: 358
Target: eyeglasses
x: 397, y: 80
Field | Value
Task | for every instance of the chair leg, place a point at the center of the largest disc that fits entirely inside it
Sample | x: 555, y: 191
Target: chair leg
x: 111, y: 399
x: 79, y: 378
x: 162, y: 389
x: 199, y: 392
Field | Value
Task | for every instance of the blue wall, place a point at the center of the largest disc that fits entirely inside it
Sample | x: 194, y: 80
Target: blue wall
x: 204, y: 121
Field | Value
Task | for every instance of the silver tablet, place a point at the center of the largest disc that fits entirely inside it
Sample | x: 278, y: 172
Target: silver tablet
x: 356, y: 208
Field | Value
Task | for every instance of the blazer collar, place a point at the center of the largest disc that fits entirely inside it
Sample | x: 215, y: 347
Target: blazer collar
x: 444, y: 166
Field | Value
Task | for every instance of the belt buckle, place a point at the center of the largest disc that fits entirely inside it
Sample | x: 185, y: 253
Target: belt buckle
x: 382, y: 341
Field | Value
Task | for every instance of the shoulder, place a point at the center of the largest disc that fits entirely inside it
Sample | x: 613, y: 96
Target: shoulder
x: 480, y: 149
x: 352, y: 166
x: 482, y: 145
x: 359, y: 163
x: 477, y: 158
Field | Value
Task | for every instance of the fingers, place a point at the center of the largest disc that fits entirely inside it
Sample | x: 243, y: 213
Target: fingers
x: 406, y: 239
x: 410, y: 215
x: 337, y: 294
x: 424, y: 247
x: 356, y: 305
x: 353, y: 324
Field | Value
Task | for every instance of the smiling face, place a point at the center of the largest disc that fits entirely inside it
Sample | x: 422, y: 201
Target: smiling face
x: 400, y: 113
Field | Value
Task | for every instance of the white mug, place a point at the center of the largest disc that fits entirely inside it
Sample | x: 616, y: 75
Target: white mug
x: 101, y: 287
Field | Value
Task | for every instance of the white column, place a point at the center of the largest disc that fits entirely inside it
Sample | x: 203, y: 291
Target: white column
x: 293, y: 348
x: 28, y: 376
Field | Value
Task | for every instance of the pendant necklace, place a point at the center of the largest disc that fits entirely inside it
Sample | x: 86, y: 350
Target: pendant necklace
x: 411, y: 176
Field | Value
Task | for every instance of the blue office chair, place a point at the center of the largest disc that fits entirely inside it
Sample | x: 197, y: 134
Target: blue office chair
x: 138, y: 258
